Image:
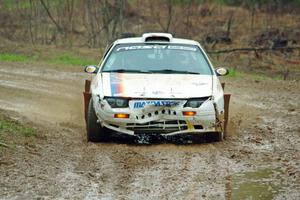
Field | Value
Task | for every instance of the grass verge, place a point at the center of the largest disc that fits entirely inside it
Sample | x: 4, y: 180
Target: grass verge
x: 66, y: 59
x: 12, y: 128
x: 13, y: 57
x: 233, y: 73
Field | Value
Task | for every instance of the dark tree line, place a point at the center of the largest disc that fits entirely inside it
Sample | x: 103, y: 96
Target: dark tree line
x: 96, y: 23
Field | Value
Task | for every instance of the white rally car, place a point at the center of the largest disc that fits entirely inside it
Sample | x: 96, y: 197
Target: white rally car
x: 154, y: 84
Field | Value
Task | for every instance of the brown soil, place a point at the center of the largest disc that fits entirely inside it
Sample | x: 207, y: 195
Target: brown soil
x: 264, y: 141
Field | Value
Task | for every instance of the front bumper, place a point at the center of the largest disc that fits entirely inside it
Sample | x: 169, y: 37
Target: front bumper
x: 165, y: 121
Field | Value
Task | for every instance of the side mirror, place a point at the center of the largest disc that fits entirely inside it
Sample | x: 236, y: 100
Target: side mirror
x: 222, y: 71
x: 91, y: 69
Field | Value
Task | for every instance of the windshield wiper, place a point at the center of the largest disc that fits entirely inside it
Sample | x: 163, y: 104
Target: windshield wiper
x: 171, y: 71
x: 126, y: 71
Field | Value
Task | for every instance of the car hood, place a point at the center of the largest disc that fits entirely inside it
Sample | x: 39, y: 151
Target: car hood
x: 156, y: 85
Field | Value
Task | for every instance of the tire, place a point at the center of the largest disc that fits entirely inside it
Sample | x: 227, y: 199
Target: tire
x: 214, y: 137
x: 95, y: 133
x: 219, y: 136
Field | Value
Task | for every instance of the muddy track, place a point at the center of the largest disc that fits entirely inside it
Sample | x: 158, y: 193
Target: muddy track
x: 260, y: 158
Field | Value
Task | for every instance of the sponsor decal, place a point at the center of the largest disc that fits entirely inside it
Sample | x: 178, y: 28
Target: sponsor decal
x: 145, y: 47
x: 116, y: 84
x: 157, y: 92
x: 156, y: 103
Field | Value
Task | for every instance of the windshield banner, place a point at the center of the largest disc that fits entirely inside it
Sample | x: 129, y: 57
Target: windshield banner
x: 149, y: 47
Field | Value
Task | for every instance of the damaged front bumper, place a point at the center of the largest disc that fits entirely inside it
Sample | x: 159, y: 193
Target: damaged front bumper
x: 163, y: 120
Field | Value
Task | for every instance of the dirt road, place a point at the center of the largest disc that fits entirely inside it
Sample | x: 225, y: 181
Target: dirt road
x: 259, y: 160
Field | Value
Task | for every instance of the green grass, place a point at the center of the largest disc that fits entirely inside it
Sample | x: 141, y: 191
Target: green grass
x: 68, y: 59
x: 13, y: 57
x: 25, y: 4
x: 14, y: 127
x: 62, y: 59
x: 233, y: 73
x: 9, y: 127
x: 14, y: 4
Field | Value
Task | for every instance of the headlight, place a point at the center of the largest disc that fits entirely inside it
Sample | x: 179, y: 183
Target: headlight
x: 117, y: 102
x: 195, y: 103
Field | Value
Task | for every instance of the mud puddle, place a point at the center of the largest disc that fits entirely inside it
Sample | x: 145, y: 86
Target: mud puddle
x: 260, y: 184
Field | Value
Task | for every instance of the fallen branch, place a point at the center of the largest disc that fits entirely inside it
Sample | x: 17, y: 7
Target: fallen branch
x: 254, y: 49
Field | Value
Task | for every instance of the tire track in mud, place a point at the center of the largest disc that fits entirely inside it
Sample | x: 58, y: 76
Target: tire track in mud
x: 51, y: 96
x: 67, y: 167
x: 135, y: 171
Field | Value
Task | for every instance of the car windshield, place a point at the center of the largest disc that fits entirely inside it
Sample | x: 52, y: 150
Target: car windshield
x: 157, y: 58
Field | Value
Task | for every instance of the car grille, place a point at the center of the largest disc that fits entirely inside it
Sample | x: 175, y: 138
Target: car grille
x: 158, y: 127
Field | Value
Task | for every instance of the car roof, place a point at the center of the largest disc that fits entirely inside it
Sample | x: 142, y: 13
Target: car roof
x: 153, y: 35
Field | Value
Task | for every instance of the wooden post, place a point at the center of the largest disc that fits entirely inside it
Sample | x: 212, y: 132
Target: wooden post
x: 226, y: 112
x: 87, y: 97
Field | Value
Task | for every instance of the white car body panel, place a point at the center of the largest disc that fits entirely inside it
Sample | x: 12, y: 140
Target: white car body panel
x: 156, y: 85
x: 155, y: 98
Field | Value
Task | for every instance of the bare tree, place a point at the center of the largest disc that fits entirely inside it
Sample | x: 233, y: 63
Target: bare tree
x: 164, y: 21
x: 59, y: 28
x: 111, y: 17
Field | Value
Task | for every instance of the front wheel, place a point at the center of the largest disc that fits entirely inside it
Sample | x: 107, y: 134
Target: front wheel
x: 95, y: 133
x: 215, y: 137
x: 219, y: 136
